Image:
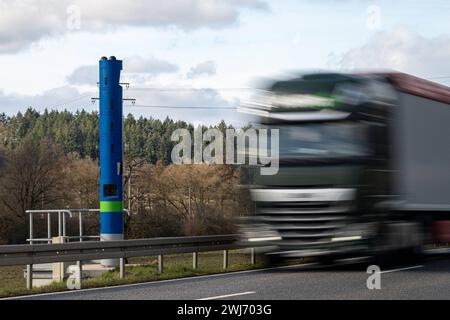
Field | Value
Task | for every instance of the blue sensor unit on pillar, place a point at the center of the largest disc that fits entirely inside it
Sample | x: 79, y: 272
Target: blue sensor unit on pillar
x: 111, y: 151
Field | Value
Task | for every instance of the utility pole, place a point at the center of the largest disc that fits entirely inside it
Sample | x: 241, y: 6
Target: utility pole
x: 190, y: 216
x: 129, y: 193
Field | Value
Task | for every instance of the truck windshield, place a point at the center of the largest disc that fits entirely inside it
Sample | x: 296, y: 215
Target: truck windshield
x: 329, y: 139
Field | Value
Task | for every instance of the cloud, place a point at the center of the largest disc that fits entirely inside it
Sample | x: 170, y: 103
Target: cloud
x: 137, y: 64
x: 217, y: 107
x: 60, y: 98
x: 400, y: 49
x: 23, y: 22
x: 84, y: 75
x: 136, y: 67
x: 207, y: 68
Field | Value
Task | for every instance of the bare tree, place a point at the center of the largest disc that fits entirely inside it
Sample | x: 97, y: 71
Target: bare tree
x: 32, y: 179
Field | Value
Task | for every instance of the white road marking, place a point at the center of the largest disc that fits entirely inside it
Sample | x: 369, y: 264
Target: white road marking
x: 181, y: 279
x: 402, y: 269
x: 228, y: 295
x: 216, y: 275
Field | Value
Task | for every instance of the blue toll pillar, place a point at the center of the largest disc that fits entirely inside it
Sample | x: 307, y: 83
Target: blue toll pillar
x: 111, y: 153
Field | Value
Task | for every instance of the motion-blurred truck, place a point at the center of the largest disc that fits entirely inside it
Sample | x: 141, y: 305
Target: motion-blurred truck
x: 364, y: 166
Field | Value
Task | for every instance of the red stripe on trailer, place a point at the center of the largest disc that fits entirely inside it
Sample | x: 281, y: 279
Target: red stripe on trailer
x: 419, y: 87
x: 441, y: 231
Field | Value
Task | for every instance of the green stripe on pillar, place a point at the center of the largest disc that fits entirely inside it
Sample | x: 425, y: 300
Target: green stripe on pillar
x: 111, y: 206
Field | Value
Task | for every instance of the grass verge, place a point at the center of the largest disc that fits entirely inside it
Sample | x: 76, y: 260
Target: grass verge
x: 12, y: 282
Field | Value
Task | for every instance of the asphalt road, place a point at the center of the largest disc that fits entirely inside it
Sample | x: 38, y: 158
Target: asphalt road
x: 430, y: 280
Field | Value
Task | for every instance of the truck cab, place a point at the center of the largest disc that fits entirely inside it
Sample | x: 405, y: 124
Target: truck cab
x: 335, y: 194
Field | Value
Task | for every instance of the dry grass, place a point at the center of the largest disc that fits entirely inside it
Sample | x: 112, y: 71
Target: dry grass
x: 12, y: 282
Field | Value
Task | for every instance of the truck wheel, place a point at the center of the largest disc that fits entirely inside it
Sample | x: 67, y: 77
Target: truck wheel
x: 382, y: 247
x: 274, y: 260
x: 415, y: 253
x: 401, y: 241
x: 326, y: 260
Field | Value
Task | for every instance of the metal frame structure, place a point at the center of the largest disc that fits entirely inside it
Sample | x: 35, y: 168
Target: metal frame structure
x: 62, y: 223
x: 62, y: 231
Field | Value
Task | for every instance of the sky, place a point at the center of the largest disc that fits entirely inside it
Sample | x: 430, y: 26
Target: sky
x: 206, y: 53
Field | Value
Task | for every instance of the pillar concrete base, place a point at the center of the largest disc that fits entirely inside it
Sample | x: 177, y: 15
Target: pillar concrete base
x: 110, y: 237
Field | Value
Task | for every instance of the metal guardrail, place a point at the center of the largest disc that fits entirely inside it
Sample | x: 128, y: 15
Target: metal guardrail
x: 83, y: 251
x: 76, y: 251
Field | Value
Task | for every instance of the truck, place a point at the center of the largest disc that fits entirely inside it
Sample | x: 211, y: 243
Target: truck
x: 364, y: 167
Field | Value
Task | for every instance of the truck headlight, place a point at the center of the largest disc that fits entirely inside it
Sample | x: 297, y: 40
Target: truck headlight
x: 259, y: 239
x: 349, y: 238
x: 260, y: 233
x: 354, y: 232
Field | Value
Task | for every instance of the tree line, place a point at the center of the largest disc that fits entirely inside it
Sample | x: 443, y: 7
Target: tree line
x: 144, y: 138
x: 50, y: 160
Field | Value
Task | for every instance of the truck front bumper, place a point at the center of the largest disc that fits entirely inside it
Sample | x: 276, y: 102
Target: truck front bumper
x: 345, y: 251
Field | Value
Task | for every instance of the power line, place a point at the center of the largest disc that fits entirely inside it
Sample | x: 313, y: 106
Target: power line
x: 65, y: 102
x: 195, y: 108
x: 191, y: 89
x: 126, y: 84
x: 437, y: 78
x: 179, y: 107
x: 444, y: 79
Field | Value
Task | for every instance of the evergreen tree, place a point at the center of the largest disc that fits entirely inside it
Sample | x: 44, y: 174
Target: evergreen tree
x: 78, y: 133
